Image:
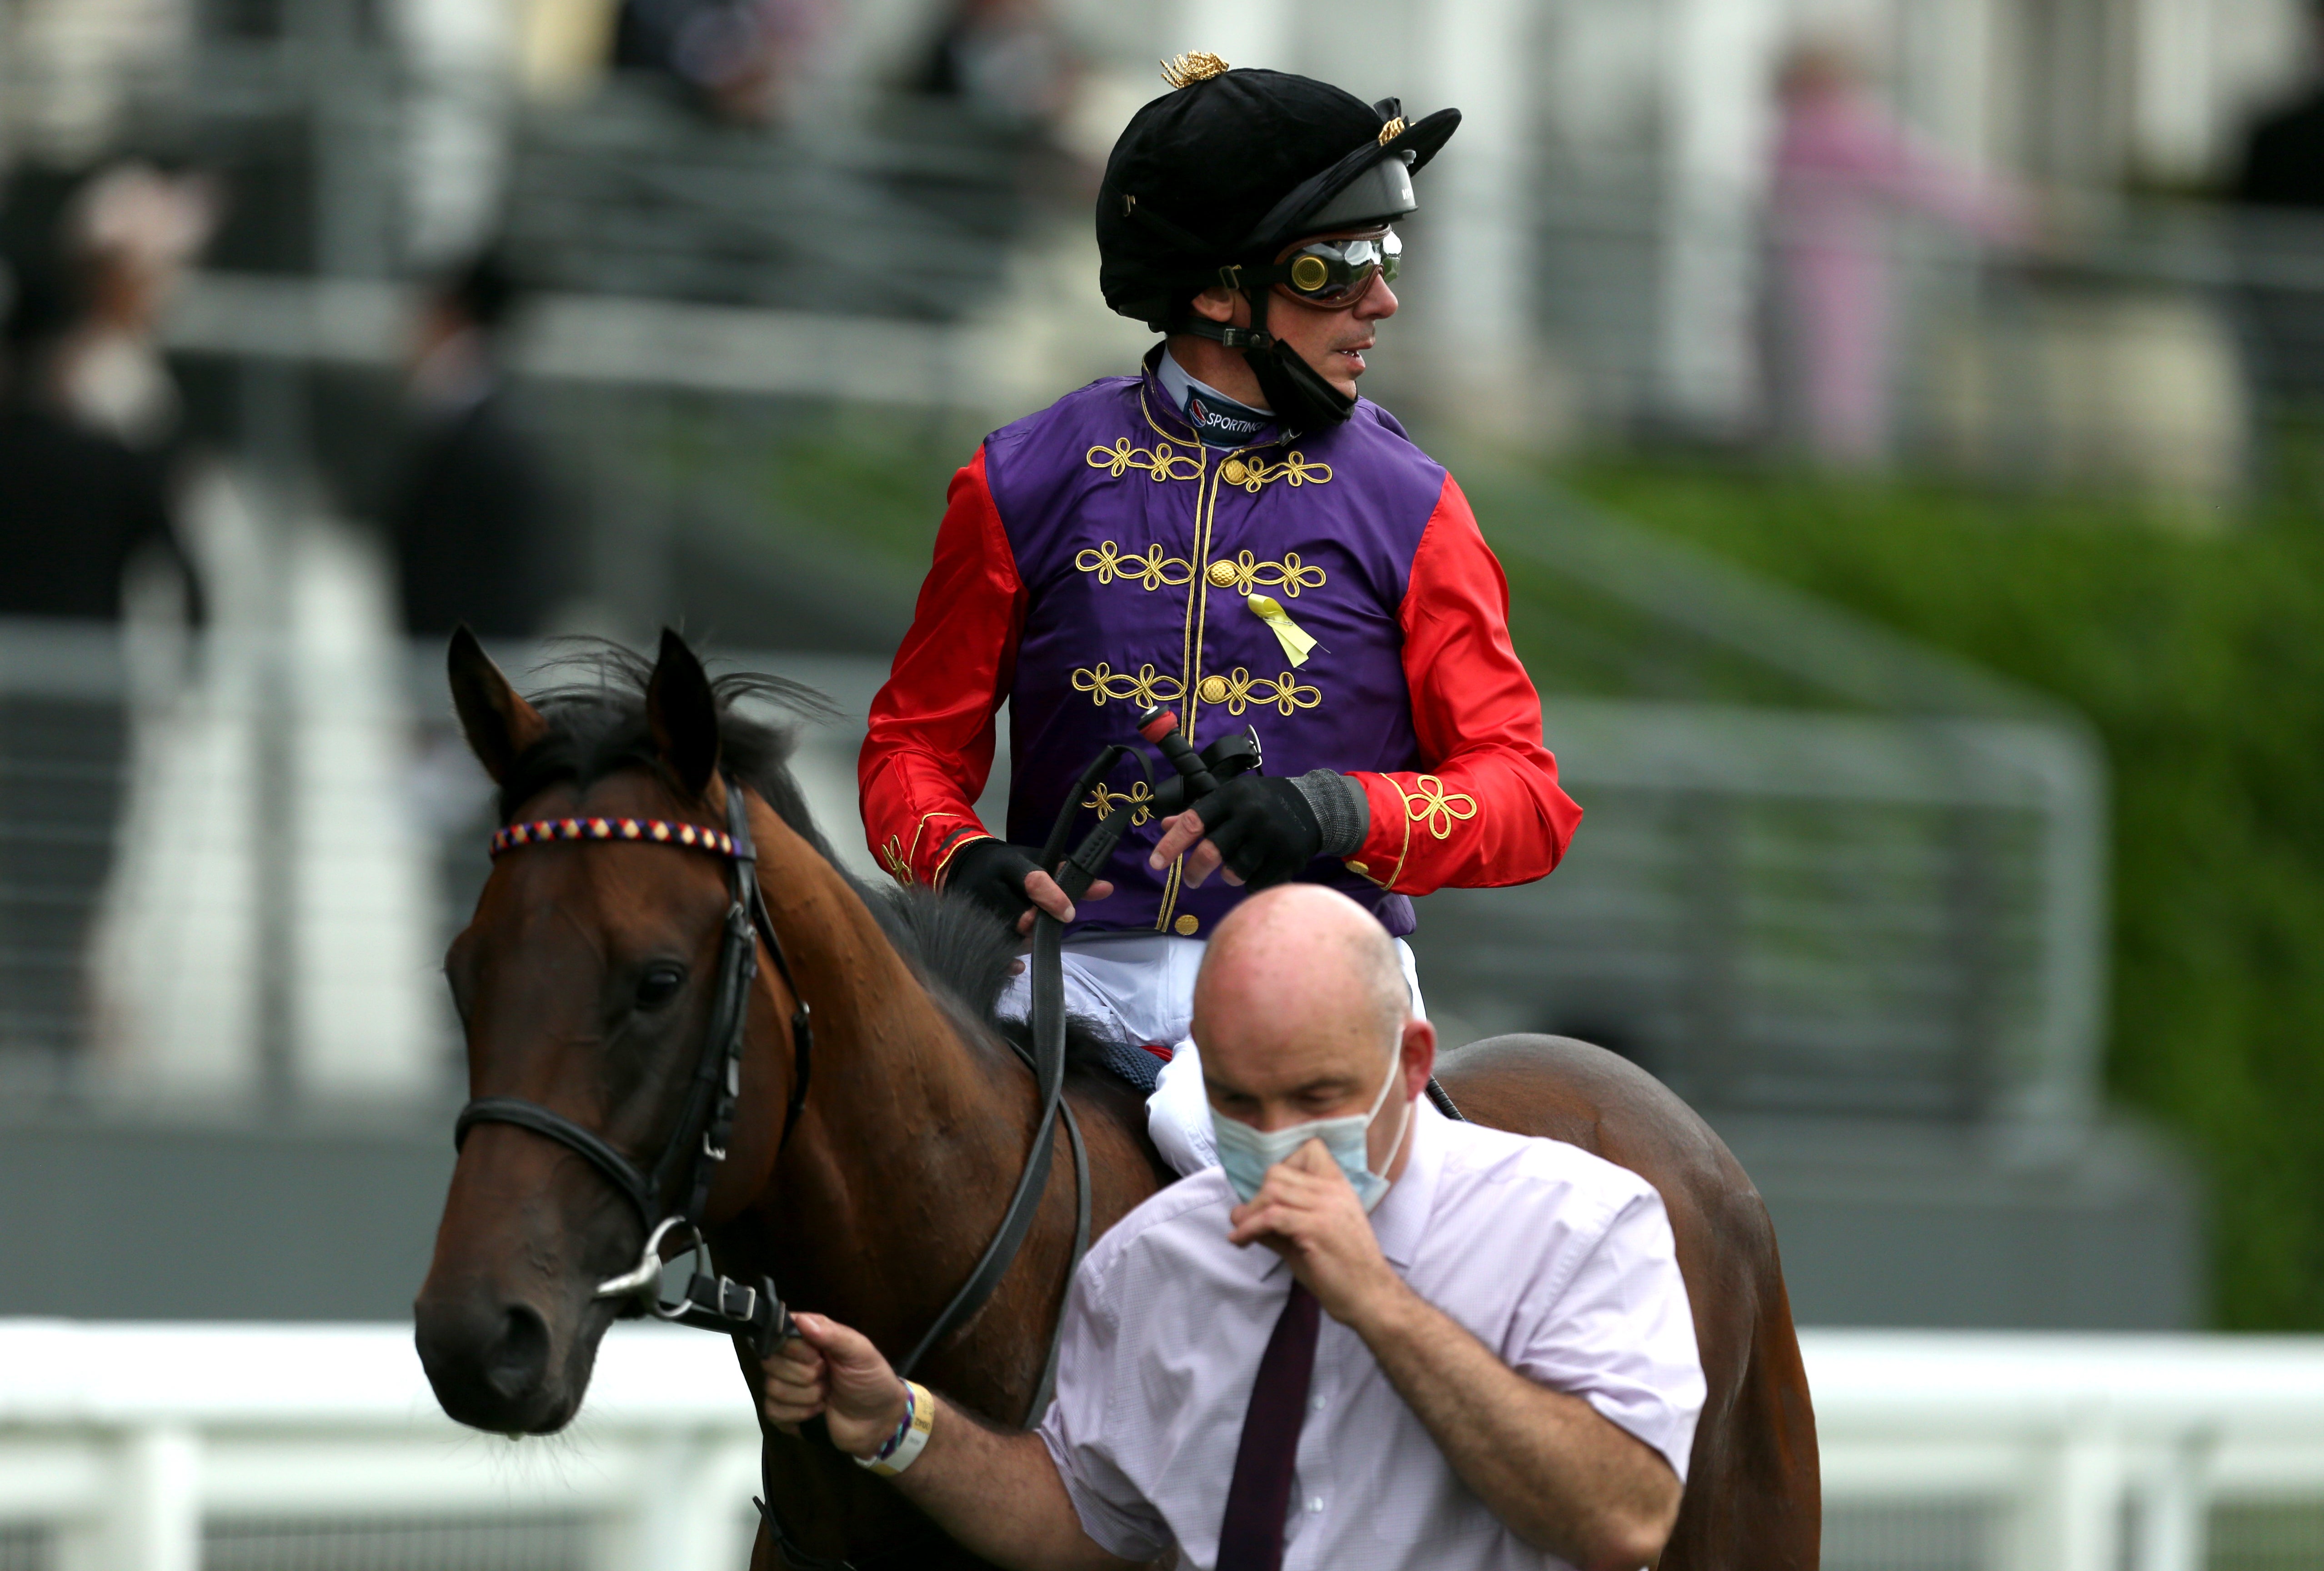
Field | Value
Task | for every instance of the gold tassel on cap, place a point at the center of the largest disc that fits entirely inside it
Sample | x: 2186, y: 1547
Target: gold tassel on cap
x: 1184, y: 70
x: 1297, y: 641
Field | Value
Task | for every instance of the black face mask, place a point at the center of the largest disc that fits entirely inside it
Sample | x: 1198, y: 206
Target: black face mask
x: 1295, y: 390
x: 1302, y: 399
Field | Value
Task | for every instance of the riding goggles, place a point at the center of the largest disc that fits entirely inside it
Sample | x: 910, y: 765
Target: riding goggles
x: 1335, y: 273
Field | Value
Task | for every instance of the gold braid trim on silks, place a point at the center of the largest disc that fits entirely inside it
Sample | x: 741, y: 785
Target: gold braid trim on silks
x: 1238, y: 690
x: 1200, y: 66
x: 1139, y: 796
x: 1254, y: 473
x: 1244, y: 573
x: 1163, y: 461
x: 1103, y: 682
x: 1391, y: 131
x: 898, y: 856
x: 1153, y: 569
x: 1437, y: 807
x: 1429, y: 803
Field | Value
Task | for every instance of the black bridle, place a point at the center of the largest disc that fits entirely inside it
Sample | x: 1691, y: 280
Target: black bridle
x: 698, y: 1141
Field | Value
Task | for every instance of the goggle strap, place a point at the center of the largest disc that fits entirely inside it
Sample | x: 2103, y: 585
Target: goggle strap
x: 1219, y: 333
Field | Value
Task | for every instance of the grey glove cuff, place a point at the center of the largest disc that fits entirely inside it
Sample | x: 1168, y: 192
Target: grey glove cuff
x: 1341, y: 809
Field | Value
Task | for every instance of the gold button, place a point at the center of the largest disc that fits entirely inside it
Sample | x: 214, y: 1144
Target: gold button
x: 1212, y: 690
x: 1356, y: 867
x: 1234, y: 473
x: 1222, y: 573
x: 1187, y: 925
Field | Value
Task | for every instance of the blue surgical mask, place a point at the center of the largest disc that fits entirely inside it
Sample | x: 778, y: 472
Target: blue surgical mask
x: 1246, y: 1153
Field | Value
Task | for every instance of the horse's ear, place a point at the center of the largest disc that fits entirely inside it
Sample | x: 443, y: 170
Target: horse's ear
x: 499, y: 725
x: 683, y: 714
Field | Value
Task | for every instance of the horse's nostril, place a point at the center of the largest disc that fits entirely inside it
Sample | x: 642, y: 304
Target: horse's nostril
x: 519, y: 1355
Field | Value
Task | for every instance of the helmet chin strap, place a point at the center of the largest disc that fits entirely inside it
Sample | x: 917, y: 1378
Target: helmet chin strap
x: 1294, y: 390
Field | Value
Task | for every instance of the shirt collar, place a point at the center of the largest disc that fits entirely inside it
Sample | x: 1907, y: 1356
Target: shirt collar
x: 1168, y: 388
x: 1401, y: 1219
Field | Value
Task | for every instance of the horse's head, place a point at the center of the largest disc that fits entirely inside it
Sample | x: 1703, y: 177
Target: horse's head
x: 585, y: 983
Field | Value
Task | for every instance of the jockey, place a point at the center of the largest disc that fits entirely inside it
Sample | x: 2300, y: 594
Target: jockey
x: 1235, y: 535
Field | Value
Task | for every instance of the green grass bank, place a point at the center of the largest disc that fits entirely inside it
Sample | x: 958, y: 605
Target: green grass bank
x: 2201, y: 659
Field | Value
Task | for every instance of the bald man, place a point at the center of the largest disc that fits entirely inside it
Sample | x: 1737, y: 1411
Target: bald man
x: 1453, y: 1346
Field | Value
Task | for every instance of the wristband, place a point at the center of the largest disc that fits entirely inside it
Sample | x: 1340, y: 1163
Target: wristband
x: 911, y: 1436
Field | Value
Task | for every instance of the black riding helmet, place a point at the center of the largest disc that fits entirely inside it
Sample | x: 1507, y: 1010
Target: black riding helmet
x: 1211, y: 180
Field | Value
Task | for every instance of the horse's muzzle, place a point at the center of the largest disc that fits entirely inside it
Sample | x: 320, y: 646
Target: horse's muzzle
x: 496, y: 1366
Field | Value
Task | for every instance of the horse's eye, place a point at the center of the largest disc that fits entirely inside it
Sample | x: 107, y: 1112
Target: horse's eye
x: 660, y: 985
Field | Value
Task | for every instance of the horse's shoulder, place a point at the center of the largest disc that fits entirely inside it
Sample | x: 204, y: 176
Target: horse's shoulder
x: 1568, y: 1091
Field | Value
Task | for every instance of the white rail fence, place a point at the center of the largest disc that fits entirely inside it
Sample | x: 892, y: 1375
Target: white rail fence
x: 170, y: 1448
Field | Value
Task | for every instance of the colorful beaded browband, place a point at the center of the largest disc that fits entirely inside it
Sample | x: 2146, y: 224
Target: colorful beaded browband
x: 655, y: 830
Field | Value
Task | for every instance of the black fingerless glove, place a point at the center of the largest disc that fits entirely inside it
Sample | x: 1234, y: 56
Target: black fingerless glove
x: 1263, y: 827
x: 991, y: 872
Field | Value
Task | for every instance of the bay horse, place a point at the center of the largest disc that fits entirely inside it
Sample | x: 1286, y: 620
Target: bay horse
x: 585, y: 982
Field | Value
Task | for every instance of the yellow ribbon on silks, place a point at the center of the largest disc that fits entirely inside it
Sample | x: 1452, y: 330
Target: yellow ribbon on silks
x: 1296, y: 640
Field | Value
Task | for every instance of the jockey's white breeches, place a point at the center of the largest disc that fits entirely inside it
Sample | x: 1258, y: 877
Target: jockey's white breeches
x: 1139, y: 987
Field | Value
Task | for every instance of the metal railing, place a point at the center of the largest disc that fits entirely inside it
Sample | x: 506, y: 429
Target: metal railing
x: 1790, y: 911
x: 237, y: 881
x: 159, y: 1447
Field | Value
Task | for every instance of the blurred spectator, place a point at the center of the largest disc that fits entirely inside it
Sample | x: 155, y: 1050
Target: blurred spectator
x: 1843, y: 170
x: 131, y: 233
x: 77, y: 504
x: 739, y: 59
x: 468, y: 509
x: 1008, y: 61
x: 2280, y: 186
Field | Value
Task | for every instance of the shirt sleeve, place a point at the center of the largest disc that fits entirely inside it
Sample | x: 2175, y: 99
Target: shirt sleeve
x: 1488, y: 810
x: 927, y: 751
x: 1075, y: 1430
x: 1619, y: 1333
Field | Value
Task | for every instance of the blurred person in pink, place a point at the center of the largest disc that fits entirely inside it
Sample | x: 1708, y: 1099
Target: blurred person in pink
x: 1843, y: 170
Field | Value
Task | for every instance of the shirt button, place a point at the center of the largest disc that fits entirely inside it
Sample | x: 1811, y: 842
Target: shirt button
x: 1319, y: 1404
x: 1316, y: 1502
x: 1212, y: 690
x: 1223, y: 573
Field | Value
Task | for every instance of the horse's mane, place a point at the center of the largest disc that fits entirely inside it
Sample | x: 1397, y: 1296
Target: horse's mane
x: 597, y: 726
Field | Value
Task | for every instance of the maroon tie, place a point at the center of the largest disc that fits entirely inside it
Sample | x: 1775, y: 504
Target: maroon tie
x: 1250, y: 1538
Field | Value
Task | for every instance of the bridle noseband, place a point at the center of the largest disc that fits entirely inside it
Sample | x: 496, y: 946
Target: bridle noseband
x: 698, y: 1143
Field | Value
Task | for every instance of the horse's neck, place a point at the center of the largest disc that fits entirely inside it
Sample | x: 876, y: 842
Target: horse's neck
x: 910, y: 1138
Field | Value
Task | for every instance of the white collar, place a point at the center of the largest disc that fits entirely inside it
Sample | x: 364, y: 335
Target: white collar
x: 1180, y: 386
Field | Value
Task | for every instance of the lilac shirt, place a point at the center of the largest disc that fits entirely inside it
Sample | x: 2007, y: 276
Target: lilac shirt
x: 1559, y: 1262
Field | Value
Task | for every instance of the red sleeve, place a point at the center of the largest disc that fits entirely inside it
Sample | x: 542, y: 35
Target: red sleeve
x: 1488, y: 810
x: 928, y: 749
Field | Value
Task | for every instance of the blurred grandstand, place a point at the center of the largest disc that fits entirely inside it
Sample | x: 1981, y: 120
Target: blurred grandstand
x: 1845, y: 895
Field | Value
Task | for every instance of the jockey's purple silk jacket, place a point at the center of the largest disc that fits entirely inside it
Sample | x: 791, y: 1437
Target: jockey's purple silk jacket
x: 1108, y: 498
x: 1097, y: 557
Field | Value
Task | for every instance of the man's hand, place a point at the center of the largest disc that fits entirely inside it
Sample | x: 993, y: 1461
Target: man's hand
x: 1561, y: 1475
x: 1307, y: 1212
x: 836, y: 1372
x: 997, y: 1493
x: 1007, y: 881
x: 1262, y: 826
